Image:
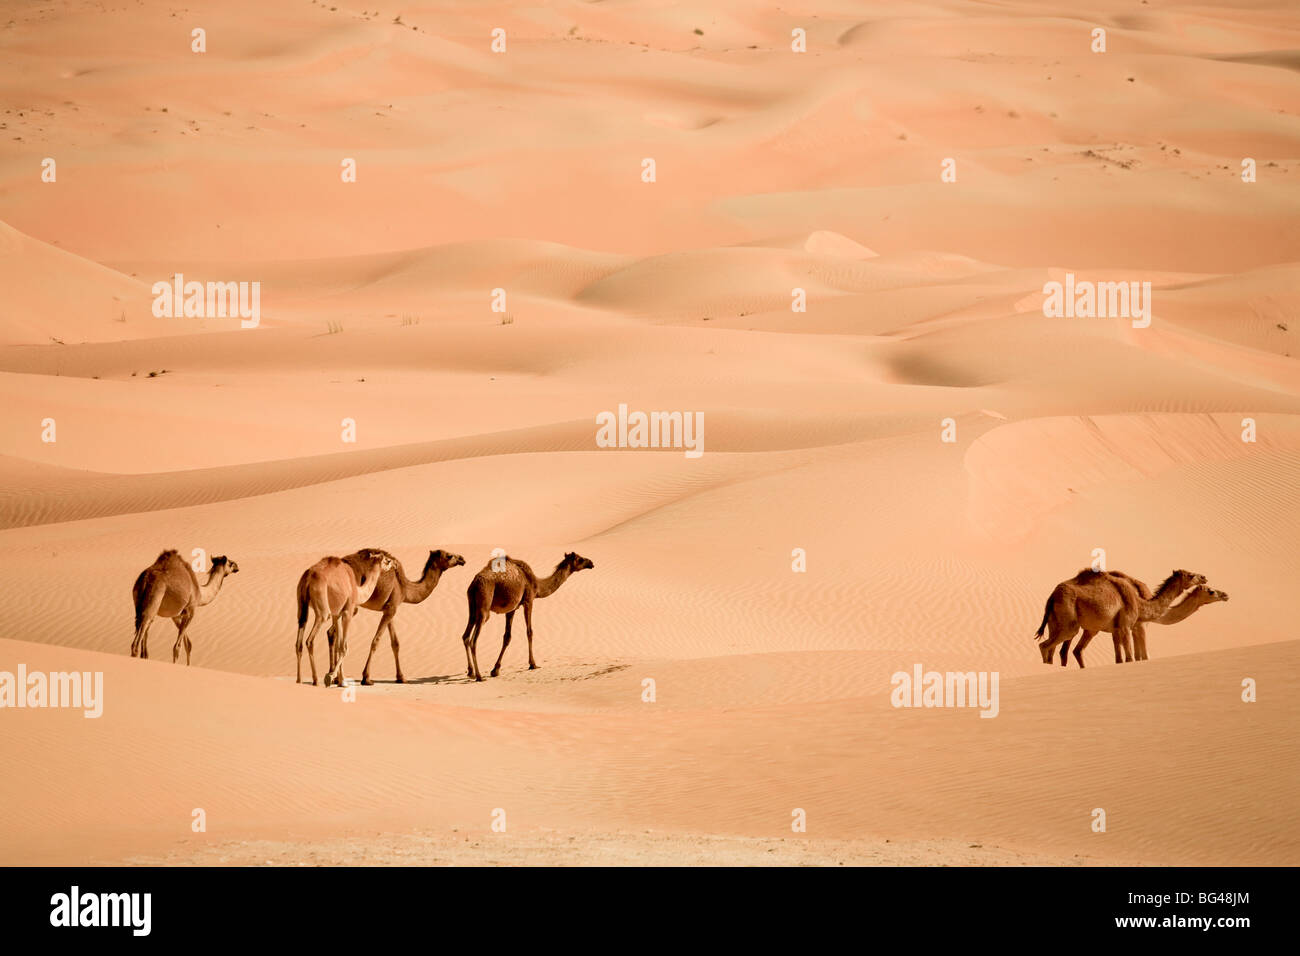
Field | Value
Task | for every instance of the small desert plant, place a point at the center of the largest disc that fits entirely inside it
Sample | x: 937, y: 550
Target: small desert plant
x: 333, y: 327
x: 507, y: 319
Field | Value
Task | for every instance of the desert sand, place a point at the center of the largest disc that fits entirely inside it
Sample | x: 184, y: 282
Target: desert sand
x: 824, y: 441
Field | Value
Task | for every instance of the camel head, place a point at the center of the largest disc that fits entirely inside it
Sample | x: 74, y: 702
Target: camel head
x: 224, y: 564
x: 575, y: 562
x: 1210, y: 595
x: 442, y: 560
x: 1182, y: 580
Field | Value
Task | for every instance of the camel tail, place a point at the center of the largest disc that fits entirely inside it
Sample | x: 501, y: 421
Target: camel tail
x: 1047, y: 613
x: 137, y: 591
x: 303, y: 600
x: 145, y: 598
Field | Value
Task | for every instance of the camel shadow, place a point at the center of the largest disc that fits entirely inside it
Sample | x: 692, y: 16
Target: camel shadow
x: 440, y: 679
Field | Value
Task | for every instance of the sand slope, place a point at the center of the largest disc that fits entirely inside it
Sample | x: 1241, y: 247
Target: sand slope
x: 300, y: 762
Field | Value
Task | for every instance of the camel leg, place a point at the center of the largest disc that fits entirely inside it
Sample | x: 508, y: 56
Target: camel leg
x: 1139, y: 642
x: 1083, y: 642
x: 303, y: 604
x: 505, y: 642
x: 340, y: 649
x: 469, y: 629
x: 1123, y: 653
x: 182, y: 622
x: 1047, y: 652
x: 345, y: 625
x: 1056, y: 633
x: 188, y: 646
x: 311, y: 643
x: 384, y: 620
x: 150, y: 610
x: 397, y: 662
x: 144, y: 640
x: 471, y: 647
x: 528, y: 622
x: 331, y: 635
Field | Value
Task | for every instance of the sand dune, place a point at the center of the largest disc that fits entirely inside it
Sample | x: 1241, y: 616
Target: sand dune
x: 902, y: 452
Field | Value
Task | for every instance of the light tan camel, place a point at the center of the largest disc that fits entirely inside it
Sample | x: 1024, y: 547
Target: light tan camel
x: 1150, y: 613
x: 393, y: 590
x: 1097, y: 601
x: 502, y: 592
x: 169, y: 588
x: 330, y: 588
x: 1196, y: 598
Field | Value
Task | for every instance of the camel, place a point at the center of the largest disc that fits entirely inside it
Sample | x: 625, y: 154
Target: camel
x: 1099, y: 601
x: 330, y: 588
x: 392, y: 591
x: 502, y: 592
x: 169, y: 588
x: 1123, y: 651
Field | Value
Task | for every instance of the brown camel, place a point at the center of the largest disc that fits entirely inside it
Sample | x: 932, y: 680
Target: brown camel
x: 1148, y: 612
x: 169, y: 588
x: 1097, y: 601
x: 502, y: 592
x: 393, y: 590
x: 330, y: 588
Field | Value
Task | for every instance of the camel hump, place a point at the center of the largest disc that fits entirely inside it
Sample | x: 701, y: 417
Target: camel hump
x: 1143, y: 591
x: 166, y: 556
x: 525, y: 570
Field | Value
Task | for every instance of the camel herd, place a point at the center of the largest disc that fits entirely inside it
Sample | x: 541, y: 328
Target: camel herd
x: 1120, y: 605
x: 335, y: 588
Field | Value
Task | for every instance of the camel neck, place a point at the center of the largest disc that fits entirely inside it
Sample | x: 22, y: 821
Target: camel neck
x: 1165, y: 597
x: 413, y: 592
x: 209, y: 588
x: 1181, y: 611
x: 548, y: 586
